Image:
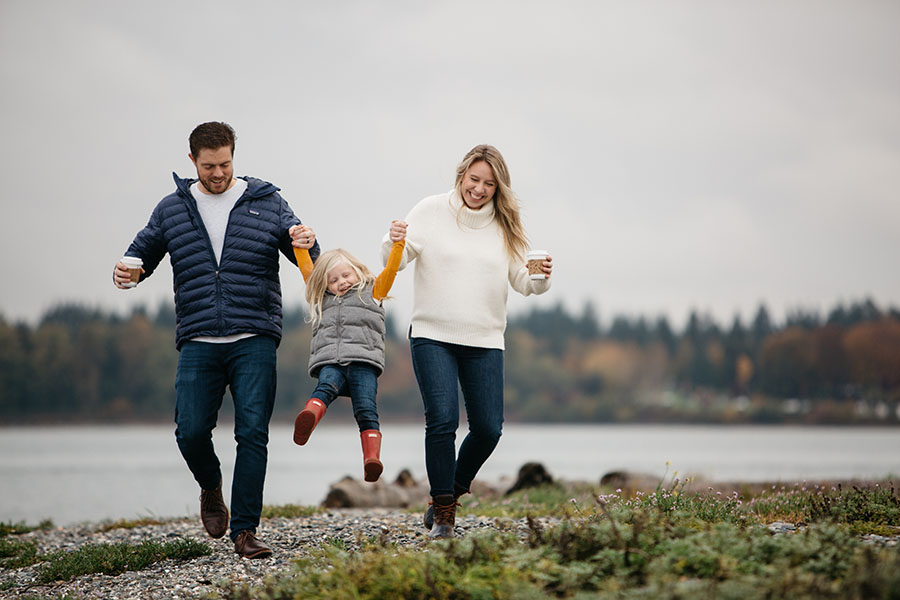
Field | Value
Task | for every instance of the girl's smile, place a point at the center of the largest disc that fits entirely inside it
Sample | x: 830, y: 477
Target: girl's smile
x: 341, y: 278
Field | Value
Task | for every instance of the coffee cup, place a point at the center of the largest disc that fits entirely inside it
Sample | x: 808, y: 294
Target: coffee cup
x: 535, y: 260
x: 133, y: 264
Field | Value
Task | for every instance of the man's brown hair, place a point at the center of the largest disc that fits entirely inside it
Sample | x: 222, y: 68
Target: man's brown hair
x: 212, y: 135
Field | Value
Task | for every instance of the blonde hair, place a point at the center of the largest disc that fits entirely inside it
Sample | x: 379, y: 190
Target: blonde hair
x: 318, y: 279
x: 506, y: 204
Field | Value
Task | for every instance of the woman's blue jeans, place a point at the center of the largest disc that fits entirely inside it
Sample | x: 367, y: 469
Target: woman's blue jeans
x: 357, y: 380
x: 247, y: 366
x: 441, y: 370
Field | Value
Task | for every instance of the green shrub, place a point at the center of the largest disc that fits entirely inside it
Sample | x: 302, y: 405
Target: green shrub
x: 17, y: 553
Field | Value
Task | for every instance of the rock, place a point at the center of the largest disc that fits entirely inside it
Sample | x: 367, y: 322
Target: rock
x: 782, y: 527
x: 632, y: 482
x: 531, y: 474
x: 353, y: 493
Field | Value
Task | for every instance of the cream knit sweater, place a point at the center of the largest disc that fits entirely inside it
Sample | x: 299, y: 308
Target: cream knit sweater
x: 462, y: 269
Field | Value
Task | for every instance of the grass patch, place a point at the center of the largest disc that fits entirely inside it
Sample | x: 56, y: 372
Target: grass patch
x: 129, y: 523
x: 15, y: 554
x: 10, y: 528
x: 550, y: 500
x: 113, y: 559
x: 290, y: 511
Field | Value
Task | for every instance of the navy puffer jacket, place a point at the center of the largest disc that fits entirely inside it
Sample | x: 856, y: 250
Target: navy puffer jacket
x: 243, y: 293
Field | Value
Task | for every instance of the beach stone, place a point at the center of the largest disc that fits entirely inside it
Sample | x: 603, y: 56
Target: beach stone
x: 782, y: 527
x: 353, y: 493
x: 531, y: 474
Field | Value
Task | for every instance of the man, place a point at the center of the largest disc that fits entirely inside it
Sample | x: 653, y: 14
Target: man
x: 223, y: 235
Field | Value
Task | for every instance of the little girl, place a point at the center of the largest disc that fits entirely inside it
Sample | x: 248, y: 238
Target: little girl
x: 347, y: 349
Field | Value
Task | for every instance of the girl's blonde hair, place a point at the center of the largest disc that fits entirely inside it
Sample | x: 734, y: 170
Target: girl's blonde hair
x: 318, y: 279
x: 506, y: 205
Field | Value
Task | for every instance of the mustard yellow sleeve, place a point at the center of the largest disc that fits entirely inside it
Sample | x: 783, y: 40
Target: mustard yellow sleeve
x: 385, y: 280
x: 304, y: 262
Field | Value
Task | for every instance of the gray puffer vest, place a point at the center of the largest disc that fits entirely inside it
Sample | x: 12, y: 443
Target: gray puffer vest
x: 351, y: 330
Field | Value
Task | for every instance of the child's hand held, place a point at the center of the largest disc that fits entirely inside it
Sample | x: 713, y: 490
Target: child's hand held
x: 302, y: 236
x: 398, y: 230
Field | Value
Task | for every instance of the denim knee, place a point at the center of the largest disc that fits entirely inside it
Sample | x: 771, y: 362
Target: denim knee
x: 488, y: 432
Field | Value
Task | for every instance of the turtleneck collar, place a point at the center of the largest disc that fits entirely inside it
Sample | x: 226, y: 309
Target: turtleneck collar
x: 473, y: 219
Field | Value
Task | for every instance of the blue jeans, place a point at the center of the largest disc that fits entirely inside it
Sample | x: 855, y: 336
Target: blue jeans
x: 357, y: 380
x: 247, y: 366
x: 441, y: 369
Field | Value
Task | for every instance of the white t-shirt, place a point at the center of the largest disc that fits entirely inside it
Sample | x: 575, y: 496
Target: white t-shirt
x: 215, y: 210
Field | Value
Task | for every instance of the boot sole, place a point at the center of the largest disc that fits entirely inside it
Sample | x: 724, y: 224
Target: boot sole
x: 303, y: 427
x: 373, y: 469
x: 257, y: 554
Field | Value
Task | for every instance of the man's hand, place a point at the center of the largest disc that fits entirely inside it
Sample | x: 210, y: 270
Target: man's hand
x: 302, y: 236
x: 121, y: 276
x: 398, y: 230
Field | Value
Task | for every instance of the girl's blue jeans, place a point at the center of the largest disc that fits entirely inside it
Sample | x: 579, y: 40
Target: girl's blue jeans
x: 441, y: 370
x: 204, y: 371
x: 357, y: 380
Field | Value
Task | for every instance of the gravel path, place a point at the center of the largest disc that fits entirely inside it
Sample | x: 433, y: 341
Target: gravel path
x: 289, y: 538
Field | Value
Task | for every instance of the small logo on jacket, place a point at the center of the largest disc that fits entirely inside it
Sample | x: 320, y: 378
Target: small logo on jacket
x: 253, y: 212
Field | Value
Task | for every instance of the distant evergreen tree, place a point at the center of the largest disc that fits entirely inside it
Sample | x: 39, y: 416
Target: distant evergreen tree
x: 588, y: 324
x: 807, y: 319
x: 165, y: 315
x: 390, y: 326
x: 761, y: 326
x: 73, y: 315
x: 663, y: 332
x: 294, y: 318
x: 621, y: 329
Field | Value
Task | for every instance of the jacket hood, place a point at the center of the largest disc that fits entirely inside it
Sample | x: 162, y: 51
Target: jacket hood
x: 255, y: 187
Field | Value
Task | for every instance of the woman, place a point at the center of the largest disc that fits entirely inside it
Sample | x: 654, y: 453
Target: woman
x: 469, y: 246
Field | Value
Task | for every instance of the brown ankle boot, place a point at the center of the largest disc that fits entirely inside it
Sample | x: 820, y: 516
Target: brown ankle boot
x: 444, y: 517
x: 458, y: 491
x: 213, y: 512
x: 307, y: 420
x: 371, y: 447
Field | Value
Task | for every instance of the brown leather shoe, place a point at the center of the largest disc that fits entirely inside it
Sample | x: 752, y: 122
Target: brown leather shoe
x: 213, y: 512
x: 248, y: 546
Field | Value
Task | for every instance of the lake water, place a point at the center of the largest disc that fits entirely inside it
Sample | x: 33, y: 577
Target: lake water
x: 93, y: 473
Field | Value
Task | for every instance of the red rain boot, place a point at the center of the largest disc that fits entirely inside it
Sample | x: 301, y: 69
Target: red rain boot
x: 307, y: 420
x: 371, y: 447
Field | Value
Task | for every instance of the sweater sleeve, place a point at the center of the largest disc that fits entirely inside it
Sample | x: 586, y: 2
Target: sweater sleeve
x: 385, y: 280
x: 419, y: 220
x: 522, y: 283
x: 304, y: 262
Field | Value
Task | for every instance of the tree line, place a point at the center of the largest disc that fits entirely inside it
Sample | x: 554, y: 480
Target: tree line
x: 84, y: 364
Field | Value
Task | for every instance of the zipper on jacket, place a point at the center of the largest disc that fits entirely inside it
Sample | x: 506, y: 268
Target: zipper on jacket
x: 218, y: 301
x: 339, y: 327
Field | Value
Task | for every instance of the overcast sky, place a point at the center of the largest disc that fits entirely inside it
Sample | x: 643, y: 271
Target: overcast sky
x: 670, y: 155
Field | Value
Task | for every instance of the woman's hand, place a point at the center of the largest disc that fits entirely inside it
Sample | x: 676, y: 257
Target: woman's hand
x: 398, y: 230
x: 302, y: 236
x: 547, y: 266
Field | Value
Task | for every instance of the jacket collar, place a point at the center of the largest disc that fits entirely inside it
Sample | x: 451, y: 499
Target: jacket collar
x: 255, y: 187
